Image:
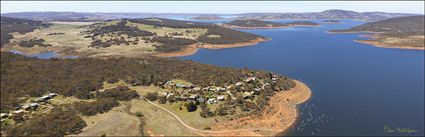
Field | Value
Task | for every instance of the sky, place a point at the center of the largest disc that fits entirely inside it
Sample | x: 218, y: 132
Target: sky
x: 221, y: 7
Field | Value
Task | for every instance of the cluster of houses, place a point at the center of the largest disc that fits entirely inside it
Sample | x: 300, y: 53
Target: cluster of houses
x: 191, y: 92
x: 195, y: 98
x: 33, y: 105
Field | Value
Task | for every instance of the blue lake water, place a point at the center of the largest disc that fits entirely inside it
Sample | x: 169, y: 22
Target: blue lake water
x: 45, y: 55
x: 358, y: 89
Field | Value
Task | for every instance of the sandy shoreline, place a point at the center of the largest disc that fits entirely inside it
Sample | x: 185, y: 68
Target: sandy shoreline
x: 383, y: 45
x: 374, y: 40
x: 276, y: 118
x: 192, y: 49
x: 352, y: 32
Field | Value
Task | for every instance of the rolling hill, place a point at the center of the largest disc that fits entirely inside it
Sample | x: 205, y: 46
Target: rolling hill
x: 407, y: 32
x: 10, y: 25
x: 87, y: 16
x: 327, y: 14
x: 253, y: 23
x: 401, y: 26
x: 131, y: 37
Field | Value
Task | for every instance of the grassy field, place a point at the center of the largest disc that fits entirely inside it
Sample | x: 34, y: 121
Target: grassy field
x: 408, y: 42
x: 159, y: 122
x: 181, y: 81
x: 164, y: 31
x: 192, y: 118
x: 413, y: 41
x: 116, y: 122
x: 72, y: 41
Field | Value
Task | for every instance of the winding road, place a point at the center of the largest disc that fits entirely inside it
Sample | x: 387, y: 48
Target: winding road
x: 199, y: 131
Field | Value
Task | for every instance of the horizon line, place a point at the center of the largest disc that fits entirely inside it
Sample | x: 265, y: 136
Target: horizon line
x: 207, y: 13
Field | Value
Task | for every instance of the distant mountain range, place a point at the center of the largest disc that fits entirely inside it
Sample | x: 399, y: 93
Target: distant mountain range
x: 85, y: 16
x: 327, y: 14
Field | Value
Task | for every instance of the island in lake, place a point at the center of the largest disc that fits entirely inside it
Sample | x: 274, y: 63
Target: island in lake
x: 399, y: 32
x: 259, y: 24
x: 207, y: 17
x: 331, y: 21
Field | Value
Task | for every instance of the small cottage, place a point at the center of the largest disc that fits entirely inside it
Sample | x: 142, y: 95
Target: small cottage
x: 221, y: 98
x: 193, y: 97
x: 211, y: 101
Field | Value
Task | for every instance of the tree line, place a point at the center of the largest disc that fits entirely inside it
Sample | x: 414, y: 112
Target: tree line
x: 9, y: 25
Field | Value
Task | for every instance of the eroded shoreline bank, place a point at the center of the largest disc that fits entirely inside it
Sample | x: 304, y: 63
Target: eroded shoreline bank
x: 376, y: 40
x: 377, y: 43
x: 275, y: 119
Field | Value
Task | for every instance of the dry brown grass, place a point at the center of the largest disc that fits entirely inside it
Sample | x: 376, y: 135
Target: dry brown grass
x: 409, y: 42
x: 116, y: 122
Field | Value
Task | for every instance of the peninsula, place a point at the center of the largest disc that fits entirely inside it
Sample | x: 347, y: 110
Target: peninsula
x: 400, y: 32
x: 331, y: 21
x: 260, y: 24
x: 127, y: 37
x: 139, y: 96
x: 118, y: 85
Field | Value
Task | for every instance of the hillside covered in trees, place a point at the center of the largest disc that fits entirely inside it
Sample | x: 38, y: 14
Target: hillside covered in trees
x: 83, y: 78
x: 23, y: 76
x: 10, y: 25
x: 400, y: 26
x: 395, y: 32
x: 165, y: 35
x: 119, y: 37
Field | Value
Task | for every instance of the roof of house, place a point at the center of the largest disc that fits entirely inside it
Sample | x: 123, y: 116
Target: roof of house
x: 193, y: 96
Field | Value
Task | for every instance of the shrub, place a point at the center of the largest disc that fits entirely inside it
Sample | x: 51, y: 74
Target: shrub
x: 171, y: 99
x: 191, y: 106
x: 139, y: 114
x: 101, y: 105
x: 152, y: 96
x: 205, y: 111
x: 55, y: 123
x: 162, y: 100
x: 121, y: 93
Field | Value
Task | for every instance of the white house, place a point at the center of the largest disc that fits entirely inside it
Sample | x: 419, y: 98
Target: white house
x: 211, y: 101
x: 221, y: 98
x: 51, y: 95
x: 249, y: 79
x: 4, y: 115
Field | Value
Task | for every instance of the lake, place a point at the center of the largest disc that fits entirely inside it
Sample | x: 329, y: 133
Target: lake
x: 358, y: 89
x: 45, y: 55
